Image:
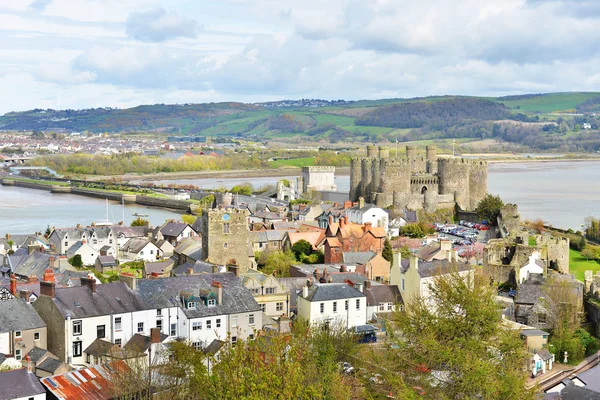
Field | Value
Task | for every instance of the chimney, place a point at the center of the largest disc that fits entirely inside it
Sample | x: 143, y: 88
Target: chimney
x: 32, y: 279
x: 330, y: 219
x: 342, y: 221
x: 47, y: 289
x: 367, y: 226
x: 361, y: 202
x: 129, y: 279
x: 343, y: 268
x: 449, y: 255
x: 309, y: 282
x: 52, y: 262
x: 190, y: 271
x: 90, y: 283
x: 316, y: 272
x: 454, y: 254
x: 7, y: 237
x: 349, y: 282
x: 359, y: 287
x: 49, y: 275
x: 78, y: 226
x: 336, y: 204
x: 25, y: 294
x: 445, y: 245
x: 414, y: 263
x: 215, y: 269
x: 218, y: 290
x: 154, y: 275
x: 155, y: 335
x: 367, y: 285
x: 305, y: 290
x: 347, y: 204
x: 13, y: 284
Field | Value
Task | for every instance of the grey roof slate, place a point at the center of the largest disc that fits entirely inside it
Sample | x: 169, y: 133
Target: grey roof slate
x: 19, y: 383
x: 158, y: 267
x: 36, y: 354
x: 173, y: 229
x: 49, y: 365
x: 199, y: 267
x: 141, y: 343
x: 17, y: 315
x: 332, y: 291
x: 165, y: 293
x: 33, y: 264
x: 135, y: 245
x: 578, y: 393
x: 545, y: 354
x: 358, y: 257
x: 107, y: 261
x: 533, y: 332
x: 383, y: 294
x: 110, y: 298
x: 435, y: 267
x: 591, y: 378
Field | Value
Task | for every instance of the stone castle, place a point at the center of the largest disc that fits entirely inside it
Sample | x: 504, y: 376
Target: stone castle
x: 416, y: 182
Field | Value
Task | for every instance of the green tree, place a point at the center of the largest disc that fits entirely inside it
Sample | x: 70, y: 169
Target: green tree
x: 76, y: 261
x: 301, y: 249
x: 388, y: 252
x: 453, y: 345
x: 140, y: 222
x: 242, y: 189
x: 276, y: 260
x: 188, y: 219
x: 489, y: 208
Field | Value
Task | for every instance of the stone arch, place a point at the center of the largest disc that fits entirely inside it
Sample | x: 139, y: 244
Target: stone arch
x: 424, y: 190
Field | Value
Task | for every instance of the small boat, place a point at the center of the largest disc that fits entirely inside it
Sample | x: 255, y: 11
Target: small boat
x: 139, y: 215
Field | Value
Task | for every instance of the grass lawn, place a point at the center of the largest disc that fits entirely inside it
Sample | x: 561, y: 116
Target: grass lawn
x: 41, y: 182
x: 579, y: 264
x: 154, y: 194
x: 294, y: 162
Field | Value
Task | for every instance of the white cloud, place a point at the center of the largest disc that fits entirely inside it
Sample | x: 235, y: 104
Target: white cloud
x: 158, y: 25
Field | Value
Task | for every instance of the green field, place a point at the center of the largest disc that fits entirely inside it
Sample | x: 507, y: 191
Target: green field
x: 293, y: 162
x: 39, y: 182
x: 549, y: 102
x: 579, y: 264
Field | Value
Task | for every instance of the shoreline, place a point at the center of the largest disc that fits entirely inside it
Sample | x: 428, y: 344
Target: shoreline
x: 258, y: 173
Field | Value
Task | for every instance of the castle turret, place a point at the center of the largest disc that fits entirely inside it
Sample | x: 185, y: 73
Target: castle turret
x: 355, y: 179
x: 431, y: 159
x: 453, y: 175
x: 372, y: 151
x: 367, y: 176
x: 384, y: 152
x: 477, y: 183
x: 411, y: 152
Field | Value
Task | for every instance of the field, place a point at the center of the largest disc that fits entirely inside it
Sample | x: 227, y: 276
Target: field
x: 39, y: 182
x: 293, y: 162
x: 579, y: 264
x: 552, y: 102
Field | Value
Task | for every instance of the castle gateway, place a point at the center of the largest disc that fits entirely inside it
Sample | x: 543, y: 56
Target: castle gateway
x: 417, y: 182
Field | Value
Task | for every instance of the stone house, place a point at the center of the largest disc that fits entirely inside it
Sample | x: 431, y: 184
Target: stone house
x: 272, y: 296
x: 267, y: 239
x: 370, y: 264
x: 161, y: 269
x: 332, y: 304
x: 21, y: 328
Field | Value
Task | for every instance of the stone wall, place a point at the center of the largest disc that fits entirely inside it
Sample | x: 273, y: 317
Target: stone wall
x: 225, y: 237
x: 178, y: 205
x: 556, y: 251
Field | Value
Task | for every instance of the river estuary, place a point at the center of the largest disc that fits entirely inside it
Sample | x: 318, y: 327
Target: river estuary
x: 561, y: 193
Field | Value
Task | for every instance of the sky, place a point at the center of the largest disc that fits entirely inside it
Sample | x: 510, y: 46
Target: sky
x: 121, y: 53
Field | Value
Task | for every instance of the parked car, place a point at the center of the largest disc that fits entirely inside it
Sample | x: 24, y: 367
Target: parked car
x: 346, y: 368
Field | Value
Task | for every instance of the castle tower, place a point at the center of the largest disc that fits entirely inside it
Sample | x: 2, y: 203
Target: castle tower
x: 384, y: 152
x: 355, y: 179
x: 431, y: 152
x: 453, y: 175
x: 225, y: 237
x: 478, y: 181
x: 367, y: 176
x: 372, y: 151
x: 411, y: 152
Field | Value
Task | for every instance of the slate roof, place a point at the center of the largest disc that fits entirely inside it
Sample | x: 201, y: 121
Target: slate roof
x: 268, y: 236
x: 19, y: 383
x: 573, y: 392
x: 99, y: 347
x: 110, y: 298
x: 158, y: 267
x: 332, y: 291
x: 128, y: 231
x: 431, y: 268
x: 135, y: 245
x: 544, y: 354
x: 533, y: 332
x: 164, y: 293
x: 49, y: 365
x: 591, y: 378
x: 77, y: 233
x: 529, y: 293
x: 199, y: 267
x: 383, y: 294
x: 213, y: 347
x: 17, y: 315
x: 173, y: 229
x: 358, y: 257
x: 141, y: 343
x: 253, y: 274
x: 33, y: 264
x: 191, y: 248
x: 107, y: 261
x: 36, y: 354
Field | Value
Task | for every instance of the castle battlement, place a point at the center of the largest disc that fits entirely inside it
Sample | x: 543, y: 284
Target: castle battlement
x: 461, y: 161
x: 319, y: 168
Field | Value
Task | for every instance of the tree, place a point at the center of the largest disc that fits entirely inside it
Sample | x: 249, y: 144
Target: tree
x: 387, y: 252
x: 140, y: 222
x: 453, y: 345
x: 489, y: 208
x: 301, y: 249
x: 188, y: 219
x: 76, y: 261
x: 276, y: 260
x: 588, y: 252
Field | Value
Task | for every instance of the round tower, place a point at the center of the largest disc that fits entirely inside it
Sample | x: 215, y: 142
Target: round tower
x: 372, y: 151
x: 384, y: 152
x: 431, y: 152
x: 478, y: 180
x: 376, y: 178
x: 367, y: 175
x: 411, y: 152
x: 355, y: 178
x: 453, y: 173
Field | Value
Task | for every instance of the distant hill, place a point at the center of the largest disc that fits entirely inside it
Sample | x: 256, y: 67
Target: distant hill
x: 547, y: 120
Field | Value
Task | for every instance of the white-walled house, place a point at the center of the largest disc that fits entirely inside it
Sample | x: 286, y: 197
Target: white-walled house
x: 77, y: 316
x: 96, y: 236
x: 534, y: 265
x: 363, y: 213
x: 82, y: 248
x: 333, y: 304
x: 176, y: 232
x: 140, y: 249
x: 208, y: 306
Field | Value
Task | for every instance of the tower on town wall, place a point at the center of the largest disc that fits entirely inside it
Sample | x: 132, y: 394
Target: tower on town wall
x: 225, y: 237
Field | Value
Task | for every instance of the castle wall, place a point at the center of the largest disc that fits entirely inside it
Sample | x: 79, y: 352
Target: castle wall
x: 318, y: 178
x: 478, y: 180
x: 367, y: 176
x: 557, y: 251
x: 355, y: 179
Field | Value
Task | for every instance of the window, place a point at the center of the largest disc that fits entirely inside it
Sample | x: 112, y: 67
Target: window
x: 151, y: 251
x: 403, y: 284
x: 234, y: 321
x: 390, y: 307
x: 100, y: 331
x: 76, y: 349
x: 335, y: 306
x: 109, y: 241
x: 269, y: 290
x: 322, y: 307
x: 173, y: 330
x: 211, y: 302
x: 18, y: 354
x: 18, y: 334
x: 381, y: 307
x: 251, y: 336
x: 279, y: 306
x: 36, y: 336
x: 255, y: 291
x: 66, y: 244
x: 118, y: 342
x: 140, y: 327
x: 142, y: 253
x: 251, y: 319
x: 218, y: 322
x: 191, y: 304
x: 197, y: 345
x: 76, y: 328
x: 117, y: 323
x: 159, y: 324
x: 88, y: 359
x: 158, y: 312
x: 358, y: 304
x: 225, y: 245
x: 197, y: 325
x: 263, y: 307
x: 541, y: 318
x: 233, y: 340
x: 346, y: 305
x: 208, y: 324
x: 225, y: 228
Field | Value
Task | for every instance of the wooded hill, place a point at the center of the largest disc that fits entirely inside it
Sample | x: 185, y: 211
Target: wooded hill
x: 532, y: 121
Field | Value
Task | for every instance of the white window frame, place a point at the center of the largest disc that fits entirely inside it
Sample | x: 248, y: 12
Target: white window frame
x: 140, y: 325
x: 197, y: 325
x: 251, y: 319
x: 79, y: 324
x: 118, y: 324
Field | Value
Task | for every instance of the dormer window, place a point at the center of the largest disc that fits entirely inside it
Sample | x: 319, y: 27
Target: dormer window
x: 191, y: 304
x: 211, y: 302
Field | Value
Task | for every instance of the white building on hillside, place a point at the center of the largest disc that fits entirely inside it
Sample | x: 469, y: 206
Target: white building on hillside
x: 333, y: 304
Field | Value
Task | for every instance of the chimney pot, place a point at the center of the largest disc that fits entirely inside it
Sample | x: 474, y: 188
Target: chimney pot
x: 13, y: 284
x: 155, y: 335
x: 47, y: 289
x: 90, y: 283
x: 218, y: 288
x: 190, y: 271
x: 25, y: 294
